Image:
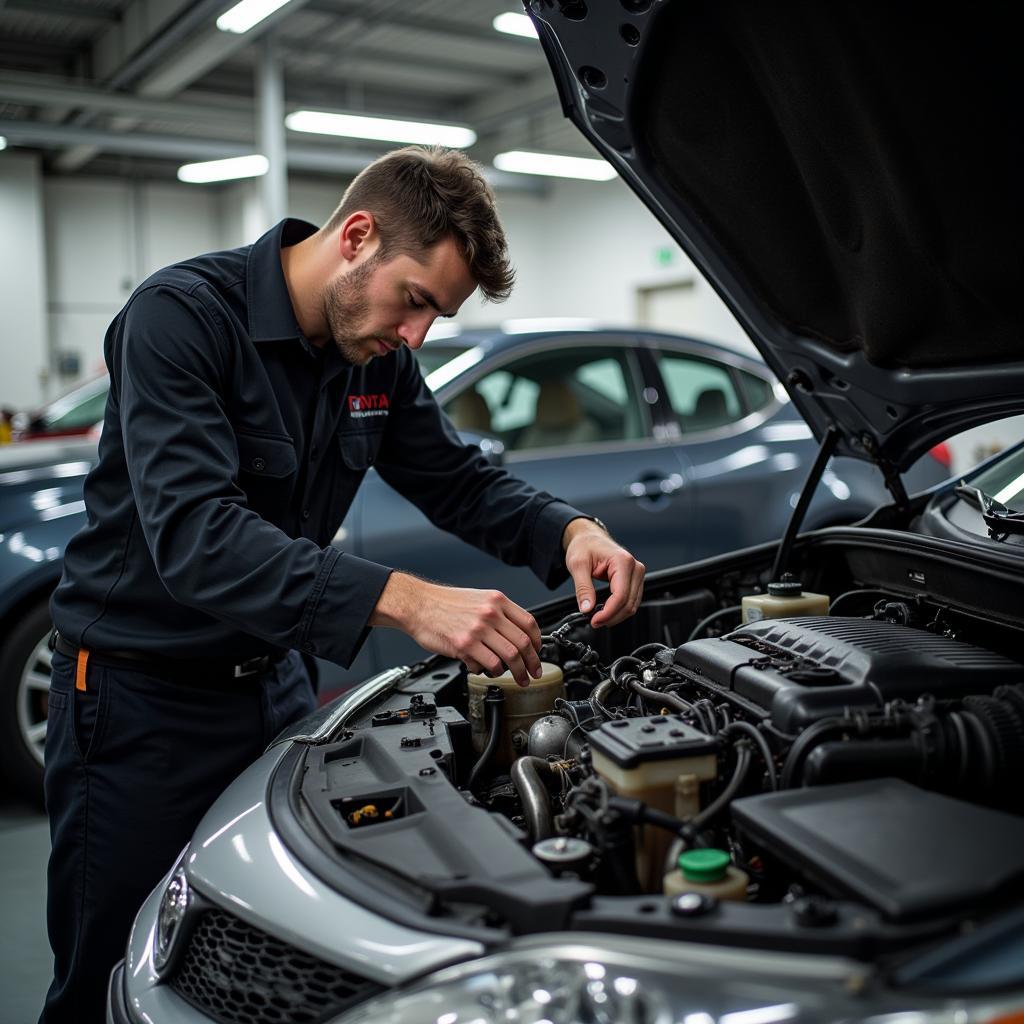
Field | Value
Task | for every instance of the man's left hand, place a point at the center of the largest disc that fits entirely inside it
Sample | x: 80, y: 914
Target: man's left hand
x: 591, y: 554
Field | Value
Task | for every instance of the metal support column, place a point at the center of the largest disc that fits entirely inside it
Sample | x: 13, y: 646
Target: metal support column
x: 270, y: 107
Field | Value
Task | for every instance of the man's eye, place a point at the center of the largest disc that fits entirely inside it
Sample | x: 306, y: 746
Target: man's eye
x: 415, y: 304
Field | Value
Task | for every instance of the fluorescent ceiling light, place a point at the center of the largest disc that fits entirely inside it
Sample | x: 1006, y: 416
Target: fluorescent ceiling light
x: 224, y: 170
x: 244, y: 15
x: 523, y: 162
x: 382, y: 129
x: 515, y: 25
x: 3, y: 142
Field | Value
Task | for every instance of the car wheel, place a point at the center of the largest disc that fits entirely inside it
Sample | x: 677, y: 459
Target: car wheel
x: 24, y: 696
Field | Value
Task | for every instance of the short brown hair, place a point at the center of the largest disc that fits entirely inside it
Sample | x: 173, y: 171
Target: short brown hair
x: 418, y: 196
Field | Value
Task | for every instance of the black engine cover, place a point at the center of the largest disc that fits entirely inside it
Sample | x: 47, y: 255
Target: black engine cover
x: 806, y: 668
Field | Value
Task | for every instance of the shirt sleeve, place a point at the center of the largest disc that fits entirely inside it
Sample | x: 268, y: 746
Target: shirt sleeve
x: 171, y: 365
x: 453, y: 484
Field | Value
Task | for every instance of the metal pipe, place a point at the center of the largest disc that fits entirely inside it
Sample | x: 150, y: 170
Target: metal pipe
x: 534, y: 796
x: 270, y: 103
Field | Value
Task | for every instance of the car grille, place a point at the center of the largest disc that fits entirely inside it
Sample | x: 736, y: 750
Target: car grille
x: 238, y: 974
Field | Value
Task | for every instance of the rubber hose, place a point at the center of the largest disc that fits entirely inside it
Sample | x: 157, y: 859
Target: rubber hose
x: 667, y: 699
x: 721, y: 802
x: 534, y: 796
x: 598, y: 696
x: 807, y: 739
x: 496, y: 703
x: 762, y: 745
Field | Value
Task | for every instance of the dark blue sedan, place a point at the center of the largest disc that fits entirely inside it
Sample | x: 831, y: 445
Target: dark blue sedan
x: 683, y: 448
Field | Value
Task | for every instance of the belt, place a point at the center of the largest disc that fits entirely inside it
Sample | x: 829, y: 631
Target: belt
x: 218, y: 672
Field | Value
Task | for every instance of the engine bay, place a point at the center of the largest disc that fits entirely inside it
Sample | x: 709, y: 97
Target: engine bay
x: 846, y: 781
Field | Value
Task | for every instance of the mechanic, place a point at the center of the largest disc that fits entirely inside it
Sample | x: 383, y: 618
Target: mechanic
x: 250, y: 391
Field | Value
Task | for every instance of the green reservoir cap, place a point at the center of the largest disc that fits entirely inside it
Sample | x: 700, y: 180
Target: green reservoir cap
x: 704, y: 865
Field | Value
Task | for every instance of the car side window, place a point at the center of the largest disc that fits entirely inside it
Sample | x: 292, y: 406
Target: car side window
x: 756, y: 390
x: 554, y: 399
x: 700, y: 391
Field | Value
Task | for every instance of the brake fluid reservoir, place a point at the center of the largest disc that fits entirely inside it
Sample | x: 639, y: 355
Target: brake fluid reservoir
x: 707, y: 871
x: 523, y: 706
x: 643, y: 758
x: 786, y: 597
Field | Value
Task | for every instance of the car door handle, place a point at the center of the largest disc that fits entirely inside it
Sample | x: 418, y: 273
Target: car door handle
x: 653, y: 486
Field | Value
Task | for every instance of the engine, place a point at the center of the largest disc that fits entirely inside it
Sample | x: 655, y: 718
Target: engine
x: 821, y: 754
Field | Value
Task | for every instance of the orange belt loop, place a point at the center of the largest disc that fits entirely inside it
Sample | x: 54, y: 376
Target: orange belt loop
x: 83, y: 661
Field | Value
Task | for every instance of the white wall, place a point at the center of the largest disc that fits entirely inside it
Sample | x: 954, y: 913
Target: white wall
x: 105, y: 236
x: 585, y: 249
x: 23, y: 333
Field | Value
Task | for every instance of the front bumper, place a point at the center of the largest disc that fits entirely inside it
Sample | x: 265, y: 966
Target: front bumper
x: 117, y: 1004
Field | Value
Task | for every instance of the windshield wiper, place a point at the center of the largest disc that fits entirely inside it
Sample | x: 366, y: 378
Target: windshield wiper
x: 1000, y: 520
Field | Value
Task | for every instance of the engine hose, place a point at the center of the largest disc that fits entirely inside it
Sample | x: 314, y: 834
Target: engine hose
x: 638, y: 812
x: 534, y: 796
x: 494, y: 702
x: 621, y: 665
x: 668, y: 700
x: 762, y: 745
x: 599, y: 695
x: 807, y: 739
x: 700, y: 821
x: 649, y: 650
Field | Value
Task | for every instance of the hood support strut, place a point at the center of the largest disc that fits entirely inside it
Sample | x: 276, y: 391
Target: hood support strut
x: 825, y: 451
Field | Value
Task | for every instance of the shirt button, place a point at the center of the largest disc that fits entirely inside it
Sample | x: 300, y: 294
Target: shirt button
x: 309, y: 647
x: 305, y: 513
x: 258, y: 464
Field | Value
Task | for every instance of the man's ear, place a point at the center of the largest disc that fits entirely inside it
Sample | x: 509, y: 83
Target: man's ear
x: 357, y: 234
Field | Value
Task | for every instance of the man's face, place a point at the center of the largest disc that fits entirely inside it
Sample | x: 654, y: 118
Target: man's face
x: 380, y: 305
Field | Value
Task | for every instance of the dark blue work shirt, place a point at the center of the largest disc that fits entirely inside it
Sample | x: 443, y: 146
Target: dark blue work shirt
x: 231, y: 451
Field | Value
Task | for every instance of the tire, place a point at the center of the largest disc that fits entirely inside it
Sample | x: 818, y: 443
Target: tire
x: 24, y: 690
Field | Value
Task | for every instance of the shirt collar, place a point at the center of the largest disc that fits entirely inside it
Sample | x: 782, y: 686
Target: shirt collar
x: 271, y: 317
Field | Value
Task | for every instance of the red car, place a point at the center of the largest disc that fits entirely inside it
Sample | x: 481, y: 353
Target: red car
x: 76, y: 412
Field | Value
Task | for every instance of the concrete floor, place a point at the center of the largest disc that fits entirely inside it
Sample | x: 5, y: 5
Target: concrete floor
x: 25, y: 963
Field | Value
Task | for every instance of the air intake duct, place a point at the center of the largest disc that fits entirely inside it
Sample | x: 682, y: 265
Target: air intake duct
x: 973, y: 748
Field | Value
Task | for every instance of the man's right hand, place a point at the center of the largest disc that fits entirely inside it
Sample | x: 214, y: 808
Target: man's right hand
x: 483, y: 628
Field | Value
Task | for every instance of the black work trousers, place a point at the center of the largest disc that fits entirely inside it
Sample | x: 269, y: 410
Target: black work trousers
x: 132, y: 764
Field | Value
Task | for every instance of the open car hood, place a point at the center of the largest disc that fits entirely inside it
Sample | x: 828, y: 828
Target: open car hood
x: 845, y: 175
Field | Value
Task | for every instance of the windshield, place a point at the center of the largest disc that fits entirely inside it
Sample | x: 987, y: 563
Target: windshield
x: 1004, y: 479
x: 432, y: 356
x: 82, y: 407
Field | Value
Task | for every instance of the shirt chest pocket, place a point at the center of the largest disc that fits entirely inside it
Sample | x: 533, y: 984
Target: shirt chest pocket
x: 267, y: 468
x: 359, y: 448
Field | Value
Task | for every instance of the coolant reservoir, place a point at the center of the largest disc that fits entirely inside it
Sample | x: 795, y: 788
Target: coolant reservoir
x: 523, y: 706
x: 786, y: 597
x: 643, y: 758
x: 707, y: 871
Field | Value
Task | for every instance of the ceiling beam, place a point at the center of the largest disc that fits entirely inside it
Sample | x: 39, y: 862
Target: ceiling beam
x: 333, y: 159
x: 535, y: 93
x: 63, y: 10
x: 43, y: 91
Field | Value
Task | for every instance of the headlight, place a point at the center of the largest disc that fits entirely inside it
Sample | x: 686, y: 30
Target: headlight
x: 170, y: 919
x: 614, y: 980
x: 538, y: 988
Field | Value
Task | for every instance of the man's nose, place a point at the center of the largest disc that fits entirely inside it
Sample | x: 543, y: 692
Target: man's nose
x: 412, y: 332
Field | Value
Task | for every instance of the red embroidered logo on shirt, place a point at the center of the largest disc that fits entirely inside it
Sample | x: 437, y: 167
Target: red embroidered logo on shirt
x: 367, y: 405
